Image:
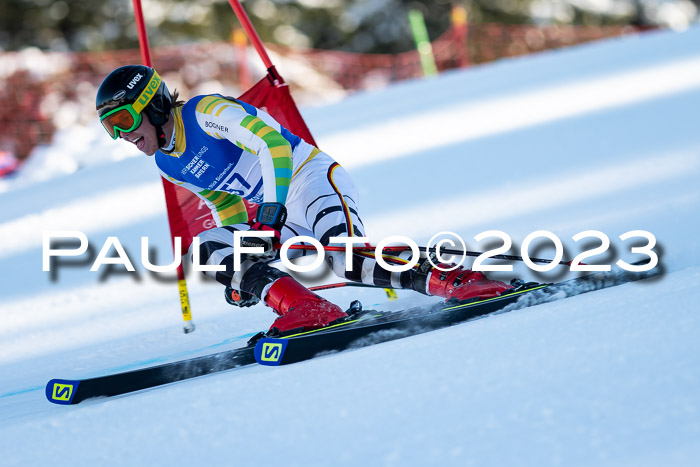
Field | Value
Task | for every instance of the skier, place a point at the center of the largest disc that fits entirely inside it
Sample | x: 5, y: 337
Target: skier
x: 223, y: 149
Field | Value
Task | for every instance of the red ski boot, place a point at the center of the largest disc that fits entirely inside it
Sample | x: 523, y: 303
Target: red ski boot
x: 463, y: 284
x: 298, y: 307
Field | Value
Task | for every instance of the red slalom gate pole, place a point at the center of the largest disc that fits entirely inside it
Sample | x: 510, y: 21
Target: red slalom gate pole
x: 251, y: 32
x: 188, y: 325
x: 272, y: 74
x: 143, y: 36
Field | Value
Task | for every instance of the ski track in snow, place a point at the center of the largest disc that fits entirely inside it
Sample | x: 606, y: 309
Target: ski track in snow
x: 602, y: 136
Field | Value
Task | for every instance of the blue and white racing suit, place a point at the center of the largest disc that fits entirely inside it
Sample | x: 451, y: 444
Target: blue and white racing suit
x: 224, y: 150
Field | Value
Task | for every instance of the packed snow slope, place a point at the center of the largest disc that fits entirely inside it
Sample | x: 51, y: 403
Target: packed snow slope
x: 599, y: 137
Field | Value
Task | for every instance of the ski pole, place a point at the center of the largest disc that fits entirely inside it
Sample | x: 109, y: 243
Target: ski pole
x: 450, y: 251
x: 338, y: 285
x: 447, y: 251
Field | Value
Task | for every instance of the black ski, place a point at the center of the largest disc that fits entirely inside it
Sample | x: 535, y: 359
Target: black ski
x: 62, y: 391
x: 362, y: 328
x: 370, y: 327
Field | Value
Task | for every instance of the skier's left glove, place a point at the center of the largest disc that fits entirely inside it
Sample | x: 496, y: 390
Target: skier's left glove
x: 239, y: 298
x: 270, y: 218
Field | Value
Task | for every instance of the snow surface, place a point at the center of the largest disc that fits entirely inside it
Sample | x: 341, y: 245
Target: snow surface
x: 602, y: 137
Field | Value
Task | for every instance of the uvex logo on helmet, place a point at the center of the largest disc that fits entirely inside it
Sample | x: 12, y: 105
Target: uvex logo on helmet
x: 134, y: 80
x: 150, y: 90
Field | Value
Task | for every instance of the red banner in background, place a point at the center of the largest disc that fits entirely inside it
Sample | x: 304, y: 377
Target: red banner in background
x: 188, y: 214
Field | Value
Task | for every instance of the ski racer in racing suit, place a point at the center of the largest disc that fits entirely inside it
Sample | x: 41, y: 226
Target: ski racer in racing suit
x: 223, y: 150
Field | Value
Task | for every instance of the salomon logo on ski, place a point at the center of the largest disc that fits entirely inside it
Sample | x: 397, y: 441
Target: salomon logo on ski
x: 60, y: 391
x: 270, y: 351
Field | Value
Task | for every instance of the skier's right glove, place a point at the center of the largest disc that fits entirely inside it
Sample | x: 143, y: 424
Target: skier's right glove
x: 267, y: 244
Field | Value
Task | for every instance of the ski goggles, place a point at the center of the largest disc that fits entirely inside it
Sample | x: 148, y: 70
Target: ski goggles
x: 127, y: 118
x: 123, y: 119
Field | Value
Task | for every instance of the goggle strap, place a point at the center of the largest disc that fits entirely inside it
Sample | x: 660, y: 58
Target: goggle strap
x: 148, y: 92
